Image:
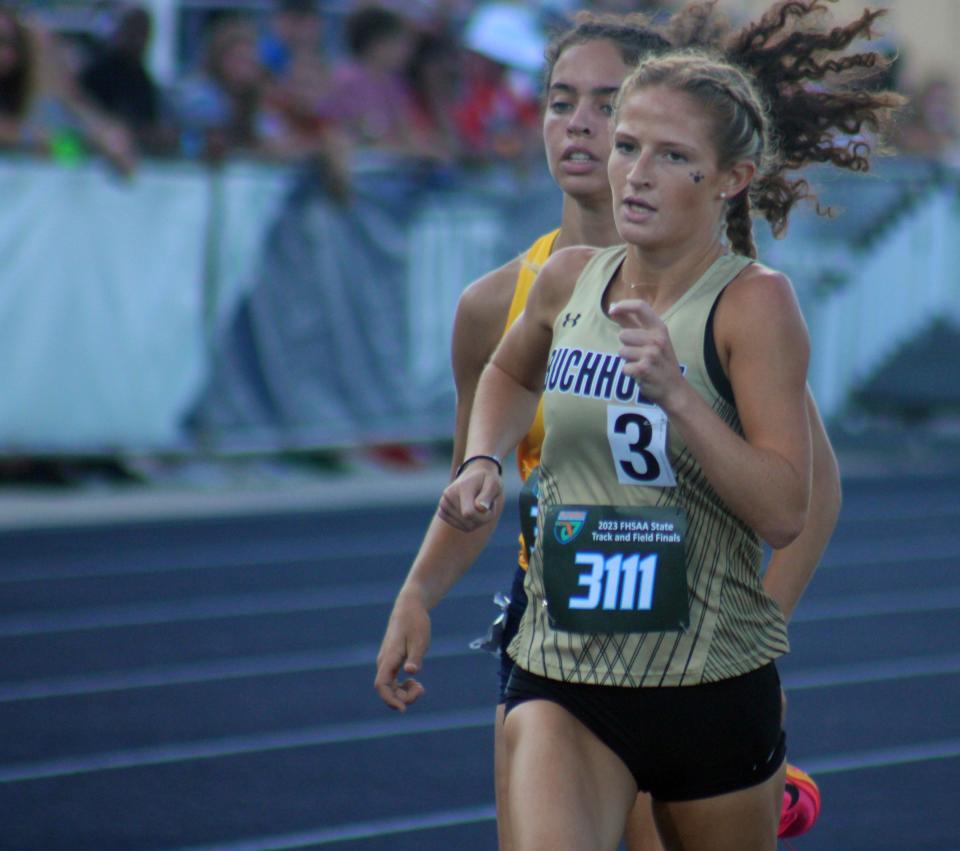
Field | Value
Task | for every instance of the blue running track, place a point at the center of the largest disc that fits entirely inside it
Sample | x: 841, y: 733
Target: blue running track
x: 206, y: 684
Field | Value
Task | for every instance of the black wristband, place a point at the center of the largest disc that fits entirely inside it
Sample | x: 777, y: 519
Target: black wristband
x: 473, y: 458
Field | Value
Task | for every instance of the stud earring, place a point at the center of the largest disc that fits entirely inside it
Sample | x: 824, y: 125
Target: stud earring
x: 723, y: 196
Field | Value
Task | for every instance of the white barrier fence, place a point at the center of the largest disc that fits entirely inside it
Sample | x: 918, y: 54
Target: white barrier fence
x: 111, y: 292
x: 886, y: 295
x: 105, y: 288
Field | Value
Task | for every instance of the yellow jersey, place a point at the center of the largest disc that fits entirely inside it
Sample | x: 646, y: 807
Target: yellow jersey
x: 528, y: 452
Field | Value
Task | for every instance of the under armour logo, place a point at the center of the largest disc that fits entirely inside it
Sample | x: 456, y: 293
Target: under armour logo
x: 572, y: 320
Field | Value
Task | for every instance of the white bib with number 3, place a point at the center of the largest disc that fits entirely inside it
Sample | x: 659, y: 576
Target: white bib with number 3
x: 638, y: 441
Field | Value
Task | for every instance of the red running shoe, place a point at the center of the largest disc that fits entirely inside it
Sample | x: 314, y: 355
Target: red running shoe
x: 801, y: 803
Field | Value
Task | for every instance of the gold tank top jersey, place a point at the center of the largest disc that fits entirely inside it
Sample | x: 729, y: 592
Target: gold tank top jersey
x: 734, y: 626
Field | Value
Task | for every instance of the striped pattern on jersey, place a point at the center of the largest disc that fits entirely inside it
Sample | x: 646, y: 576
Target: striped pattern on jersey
x: 735, y: 627
x: 528, y: 451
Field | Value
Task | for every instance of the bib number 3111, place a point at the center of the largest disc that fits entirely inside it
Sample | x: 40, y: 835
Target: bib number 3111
x: 612, y: 569
x: 638, y: 441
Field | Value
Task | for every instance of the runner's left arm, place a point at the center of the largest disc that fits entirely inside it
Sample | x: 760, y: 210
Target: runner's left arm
x: 792, y: 567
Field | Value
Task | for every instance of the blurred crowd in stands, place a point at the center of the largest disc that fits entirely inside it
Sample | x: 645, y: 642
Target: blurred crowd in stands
x: 446, y: 81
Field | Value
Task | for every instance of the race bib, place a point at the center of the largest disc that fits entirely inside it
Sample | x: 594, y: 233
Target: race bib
x: 638, y: 441
x: 611, y: 569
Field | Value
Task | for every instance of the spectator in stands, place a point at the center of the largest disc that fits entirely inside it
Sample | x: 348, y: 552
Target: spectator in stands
x: 298, y: 79
x: 221, y: 109
x: 370, y: 95
x: 433, y: 76
x: 498, y: 115
x: 42, y: 110
x: 298, y: 99
x: 294, y: 29
x: 301, y: 129
x: 119, y: 83
x: 233, y: 106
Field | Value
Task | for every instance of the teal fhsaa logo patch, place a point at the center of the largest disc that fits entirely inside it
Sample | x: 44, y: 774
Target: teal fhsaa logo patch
x: 568, y: 525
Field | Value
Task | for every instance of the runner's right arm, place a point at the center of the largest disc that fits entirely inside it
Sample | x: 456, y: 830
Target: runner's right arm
x: 509, y: 391
x: 446, y: 553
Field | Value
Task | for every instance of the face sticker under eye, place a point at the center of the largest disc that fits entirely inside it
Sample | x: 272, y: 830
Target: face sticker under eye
x: 696, y: 176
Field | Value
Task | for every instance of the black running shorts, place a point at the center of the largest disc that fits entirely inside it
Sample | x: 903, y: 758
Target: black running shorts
x: 518, y: 603
x: 680, y: 743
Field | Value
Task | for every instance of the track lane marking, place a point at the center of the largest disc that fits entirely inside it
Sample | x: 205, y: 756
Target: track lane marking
x: 230, y: 746
x: 218, y: 670
x: 828, y: 764
x: 307, y: 555
x: 14, y: 575
x: 383, y: 593
x: 363, y: 656
x: 358, y: 830
x: 254, y: 604
x: 386, y: 727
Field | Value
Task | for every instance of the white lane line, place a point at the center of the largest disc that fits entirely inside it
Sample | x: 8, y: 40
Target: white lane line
x: 381, y: 594
x: 363, y: 655
x: 12, y: 575
x: 882, y: 757
x: 73, y: 572
x: 879, y: 603
x: 910, y: 513
x: 357, y: 731
x: 357, y: 830
x: 832, y: 563
x: 828, y: 764
x: 269, y: 560
x: 391, y: 726
x: 217, y: 670
x: 255, y: 604
x: 860, y: 673
x: 311, y: 554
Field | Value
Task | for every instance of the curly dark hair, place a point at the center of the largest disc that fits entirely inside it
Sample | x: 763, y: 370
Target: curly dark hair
x: 782, y: 92
x: 697, y: 24
x: 631, y: 34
